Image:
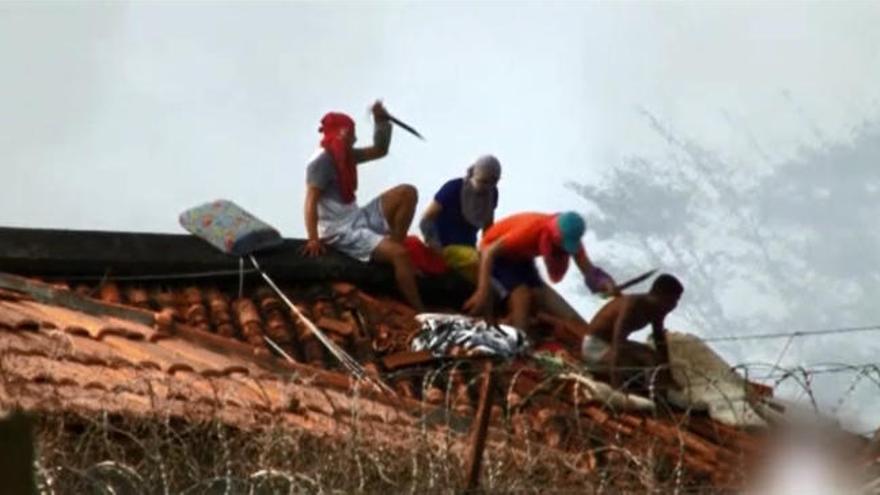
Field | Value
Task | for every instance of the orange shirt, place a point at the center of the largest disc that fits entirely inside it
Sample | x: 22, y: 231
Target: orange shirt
x: 521, y: 233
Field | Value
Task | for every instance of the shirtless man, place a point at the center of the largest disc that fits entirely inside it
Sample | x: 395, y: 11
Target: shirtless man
x: 606, y: 343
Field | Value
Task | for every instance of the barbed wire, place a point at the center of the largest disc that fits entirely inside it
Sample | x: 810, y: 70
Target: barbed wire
x: 252, y: 271
x: 795, y: 334
x: 776, y: 370
x: 241, y: 272
x: 168, y: 461
x: 172, y: 455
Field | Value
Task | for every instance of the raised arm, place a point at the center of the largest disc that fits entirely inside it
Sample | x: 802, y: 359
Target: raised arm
x: 381, y: 136
x: 428, y: 225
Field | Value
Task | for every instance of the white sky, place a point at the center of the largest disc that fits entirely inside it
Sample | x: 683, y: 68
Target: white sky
x: 117, y: 116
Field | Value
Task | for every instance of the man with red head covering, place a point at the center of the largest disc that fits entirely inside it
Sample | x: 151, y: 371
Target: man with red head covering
x: 374, y: 232
x: 507, y: 263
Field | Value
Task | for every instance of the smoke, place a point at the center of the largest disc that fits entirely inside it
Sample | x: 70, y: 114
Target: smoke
x: 785, y: 245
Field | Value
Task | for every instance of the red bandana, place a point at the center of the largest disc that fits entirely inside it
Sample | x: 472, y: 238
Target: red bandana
x: 336, y: 128
x: 555, y: 258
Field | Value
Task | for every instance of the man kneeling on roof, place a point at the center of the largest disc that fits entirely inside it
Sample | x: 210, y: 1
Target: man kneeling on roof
x: 606, y: 345
x: 372, y: 232
x: 507, y: 262
x: 460, y: 209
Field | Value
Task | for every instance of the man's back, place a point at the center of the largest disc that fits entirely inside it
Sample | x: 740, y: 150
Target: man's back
x: 636, y: 310
x: 607, y: 343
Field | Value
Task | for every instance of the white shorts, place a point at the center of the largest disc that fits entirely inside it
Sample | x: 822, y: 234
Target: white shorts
x: 353, y: 230
x: 593, y: 349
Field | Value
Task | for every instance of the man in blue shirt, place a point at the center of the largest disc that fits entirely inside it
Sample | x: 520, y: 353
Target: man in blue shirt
x: 459, y: 210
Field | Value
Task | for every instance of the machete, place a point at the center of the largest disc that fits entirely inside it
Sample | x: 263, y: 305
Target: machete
x: 636, y: 280
x: 405, y: 126
x: 633, y: 281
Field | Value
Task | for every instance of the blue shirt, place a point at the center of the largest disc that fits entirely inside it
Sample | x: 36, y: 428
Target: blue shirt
x: 452, y: 227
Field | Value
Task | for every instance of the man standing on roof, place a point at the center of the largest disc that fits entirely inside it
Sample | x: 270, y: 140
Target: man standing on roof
x: 374, y: 232
x: 460, y: 209
x: 507, y: 261
x: 606, y: 342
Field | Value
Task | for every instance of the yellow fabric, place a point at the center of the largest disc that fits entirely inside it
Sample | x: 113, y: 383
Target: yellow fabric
x: 463, y: 259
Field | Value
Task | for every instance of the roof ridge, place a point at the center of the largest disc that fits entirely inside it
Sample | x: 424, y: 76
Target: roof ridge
x: 50, y: 294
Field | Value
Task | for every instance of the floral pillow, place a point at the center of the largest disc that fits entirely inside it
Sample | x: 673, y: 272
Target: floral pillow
x: 229, y: 228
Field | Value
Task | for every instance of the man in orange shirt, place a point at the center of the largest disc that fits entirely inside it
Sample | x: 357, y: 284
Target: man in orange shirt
x: 507, y: 262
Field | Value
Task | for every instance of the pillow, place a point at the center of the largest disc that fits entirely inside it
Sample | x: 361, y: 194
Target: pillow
x: 229, y: 228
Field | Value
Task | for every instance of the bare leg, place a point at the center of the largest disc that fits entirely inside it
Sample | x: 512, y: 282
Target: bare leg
x: 637, y: 361
x: 550, y: 301
x: 394, y: 254
x: 636, y: 354
x: 399, y: 206
x: 520, y: 304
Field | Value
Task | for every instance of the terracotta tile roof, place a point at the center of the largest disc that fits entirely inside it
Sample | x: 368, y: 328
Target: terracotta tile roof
x: 205, y: 356
x: 195, y: 350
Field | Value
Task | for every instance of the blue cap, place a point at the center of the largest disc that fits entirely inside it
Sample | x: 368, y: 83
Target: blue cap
x: 572, y: 228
